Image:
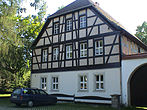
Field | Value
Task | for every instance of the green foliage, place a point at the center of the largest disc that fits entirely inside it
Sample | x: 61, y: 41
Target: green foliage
x: 59, y: 8
x: 141, y: 32
x: 16, y: 36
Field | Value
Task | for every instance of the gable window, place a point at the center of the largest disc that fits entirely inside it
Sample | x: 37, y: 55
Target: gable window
x: 69, y: 52
x: 44, y: 55
x: 83, y: 82
x: 43, y: 83
x: 69, y: 25
x: 82, y: 21
x: 99, y: 47
x: 83, y: 49
x: 55, y: 84
x: 55, y: 54
x: 99, y: 82
x: 56, y: 28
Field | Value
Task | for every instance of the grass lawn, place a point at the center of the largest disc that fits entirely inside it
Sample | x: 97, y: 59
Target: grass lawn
x: 6, y: 105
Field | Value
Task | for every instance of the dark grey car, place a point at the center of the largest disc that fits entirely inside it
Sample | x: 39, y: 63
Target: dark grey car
x: 31, y: 97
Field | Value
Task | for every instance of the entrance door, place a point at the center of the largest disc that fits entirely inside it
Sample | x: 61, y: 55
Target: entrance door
x: 138, y: 87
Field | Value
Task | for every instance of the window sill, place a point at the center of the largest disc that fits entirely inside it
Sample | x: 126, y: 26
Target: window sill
x: 54, y: 90
x: 100, y: 90
x: 82, y: 91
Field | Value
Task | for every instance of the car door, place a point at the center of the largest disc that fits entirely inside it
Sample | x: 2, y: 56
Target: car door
x: 43, y: 96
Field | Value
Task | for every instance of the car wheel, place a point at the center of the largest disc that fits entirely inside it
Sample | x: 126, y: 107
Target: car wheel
x: 18, y: 104
x: 30, y: 103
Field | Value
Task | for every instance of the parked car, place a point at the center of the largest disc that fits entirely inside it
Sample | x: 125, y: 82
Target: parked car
x: 31, y: 97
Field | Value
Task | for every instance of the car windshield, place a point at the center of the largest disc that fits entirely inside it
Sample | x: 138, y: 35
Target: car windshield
x: 17, y: 91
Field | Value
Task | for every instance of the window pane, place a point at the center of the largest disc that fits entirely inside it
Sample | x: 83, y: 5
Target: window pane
x: 97, y: 85
x: 102, y: 86
x: 101, y: 77
x: 56, y: 79
x: 85, y: 78
x: 53, y: 86
x: 56, y: 86
x: 81, y: 78
x: 97, y: 78
x: 85, y: 86
x: 81, y: 85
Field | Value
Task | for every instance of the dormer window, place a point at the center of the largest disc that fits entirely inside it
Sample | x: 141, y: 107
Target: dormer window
x: 56, y: 28
x: 69, y: 25
x: 82, y: 21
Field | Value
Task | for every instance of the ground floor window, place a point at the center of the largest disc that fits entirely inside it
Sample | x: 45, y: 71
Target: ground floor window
x: 55, y: 83
x: 83, y: 82
x: 99, y: 80
x: 43, y: 83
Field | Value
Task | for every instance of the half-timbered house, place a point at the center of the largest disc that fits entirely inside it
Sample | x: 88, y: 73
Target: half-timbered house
x: 77, y: 55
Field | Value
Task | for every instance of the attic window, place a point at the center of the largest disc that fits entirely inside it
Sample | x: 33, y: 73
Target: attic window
x: 56, y: 28
x: 44, y: 55
x: 82, y: 21
x: 69, y: 25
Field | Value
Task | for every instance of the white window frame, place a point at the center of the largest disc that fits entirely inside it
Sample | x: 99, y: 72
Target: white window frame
x: 99, y: 82
x: 83, y: 82
x: 69, y: 52
x: 55, y: 83
x: 99, y: 47
x: 69, y: 25
x: 55, y: 54
x: 56, y: 28
x: 44, y: 83
x: 83, y: 50
x: 44, y: 55
x: 82, y: 21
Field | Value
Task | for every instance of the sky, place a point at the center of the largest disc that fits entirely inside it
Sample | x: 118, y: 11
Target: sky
x: 129, y: 13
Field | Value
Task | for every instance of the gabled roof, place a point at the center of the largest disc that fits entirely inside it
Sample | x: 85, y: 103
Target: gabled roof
x: 80, y: 4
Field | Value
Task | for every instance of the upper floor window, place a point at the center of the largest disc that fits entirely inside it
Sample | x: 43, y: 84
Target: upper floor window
x: 83, y: 82
x: 55, y: 84
x: 69, y: 52
x: 43, y: 83
x: 69, y: 25
x: 99, y: 82
x: 55, y: 54
x: 82, y: 21
x: 56, y: 28
x: 83, y: 49
x: 44, y: 55
x: 99, y: 47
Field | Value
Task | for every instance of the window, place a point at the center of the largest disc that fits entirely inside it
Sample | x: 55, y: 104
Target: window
x: 56, y: 28
x: 83, y: 49
x: 99, y: 47
x: 69, y: 25
x: 82, y: 21
x: 99, y: 82
x: 43, y: 83
x: 69, y: 52
x: 55, y: 83
x: 83, y: 82
x: 55, y: 54
x: 44, y: 55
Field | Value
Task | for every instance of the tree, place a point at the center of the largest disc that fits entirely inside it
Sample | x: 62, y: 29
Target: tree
x: 141, y: 32
x: 16, y: 36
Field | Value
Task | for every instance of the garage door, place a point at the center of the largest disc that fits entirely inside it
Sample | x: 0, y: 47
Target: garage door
x: 138, y: 87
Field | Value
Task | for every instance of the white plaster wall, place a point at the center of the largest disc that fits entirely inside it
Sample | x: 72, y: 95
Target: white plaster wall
x: 69, y: 82
x: 128, y: 66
